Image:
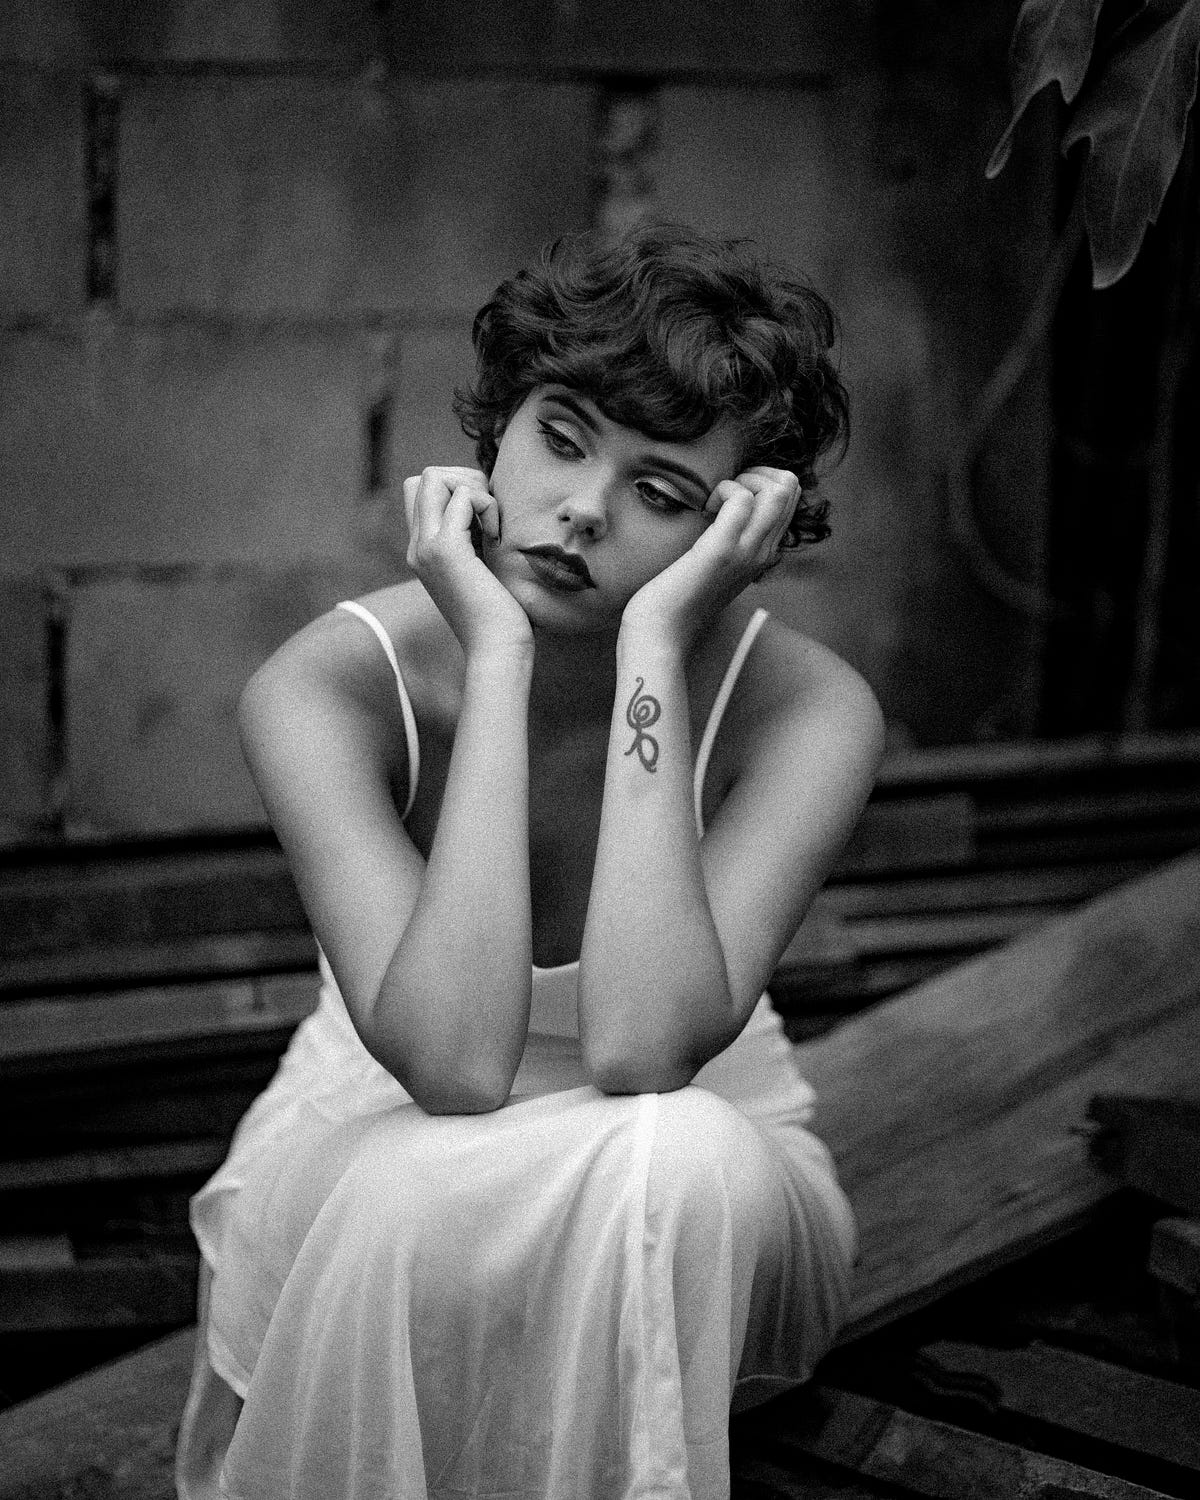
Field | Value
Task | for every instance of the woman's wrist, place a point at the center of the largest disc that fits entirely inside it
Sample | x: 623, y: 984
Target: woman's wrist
x: 510, y: 660
x: 640, y: 642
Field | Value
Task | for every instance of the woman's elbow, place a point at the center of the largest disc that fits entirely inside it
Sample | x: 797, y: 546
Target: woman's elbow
x: 445, y: 1088
x: 459, y: 1097
x: 623, y: 1072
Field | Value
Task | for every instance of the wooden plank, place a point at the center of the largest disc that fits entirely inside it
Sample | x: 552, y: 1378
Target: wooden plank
x: 959, y: 931
x: 1175, y: 1254
x: 850, y: 987
x: 867, y: 919
x: 187, y: 1158
x: 1134, y: 1411
x: 1105, y: 844
x: 111, y: 1432
x: 110, y: 1021
x: 832, y: 939
x: 926, y: 1457
x: 151, y: 1291
x: 112, y: 897
x: 19, y: 1251
x: 913, y: 833
x: 165, y: 958
x: 59, y: 1114
x: 956, y: 1110
x: 1057, y: 809
x: 755, y: 1475
x: 1035, y: 758
x: 1152, y: 1145
x: 976, y: 890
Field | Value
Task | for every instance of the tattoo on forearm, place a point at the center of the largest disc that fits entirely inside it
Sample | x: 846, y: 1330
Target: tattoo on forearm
x: 643, y: 711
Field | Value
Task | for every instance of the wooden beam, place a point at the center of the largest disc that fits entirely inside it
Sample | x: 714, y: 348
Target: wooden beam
x: 976, y: 890
x: 110, y: 1432
x: 913, y: 833
x: 956, y: 1111
x: 195, y: 1157
x: 1076, y: 1393
x: 1175, y: 1256
x: 925, y: 1457
x: 1152, y: 1145
x: 165, y: 958
x: 129, y: 1291
x: 105, y: 1024
x: 944, y: 765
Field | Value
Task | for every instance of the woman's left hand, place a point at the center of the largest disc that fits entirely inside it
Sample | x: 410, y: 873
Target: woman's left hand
x: 752, y: 513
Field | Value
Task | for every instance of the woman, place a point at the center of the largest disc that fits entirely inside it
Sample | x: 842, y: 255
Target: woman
x: 531, y: 1198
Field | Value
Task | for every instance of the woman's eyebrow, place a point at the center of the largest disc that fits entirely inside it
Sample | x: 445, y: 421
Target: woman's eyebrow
x: 576, y: 408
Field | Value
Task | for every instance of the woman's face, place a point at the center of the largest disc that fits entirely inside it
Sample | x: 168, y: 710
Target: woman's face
x: 591, y: 510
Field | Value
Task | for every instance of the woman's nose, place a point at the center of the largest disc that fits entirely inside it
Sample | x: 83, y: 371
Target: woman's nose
x: 585, y: 510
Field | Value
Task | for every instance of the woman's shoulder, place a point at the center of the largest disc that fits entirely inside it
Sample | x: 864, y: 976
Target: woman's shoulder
x: 426, y: 651
x: 790, y: 680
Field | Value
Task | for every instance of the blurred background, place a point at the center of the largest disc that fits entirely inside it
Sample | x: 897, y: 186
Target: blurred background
x: 243, y: 242
x: 241, y: 245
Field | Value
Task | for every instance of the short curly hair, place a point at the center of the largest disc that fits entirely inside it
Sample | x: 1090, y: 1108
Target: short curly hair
x: 667, y: 331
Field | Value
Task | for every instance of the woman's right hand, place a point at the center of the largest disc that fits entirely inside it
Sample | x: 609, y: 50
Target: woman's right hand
x: 443, y: 504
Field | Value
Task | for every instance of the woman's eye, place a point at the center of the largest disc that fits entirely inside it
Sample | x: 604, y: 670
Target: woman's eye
x: 558, y: 442
x: 659, y: 499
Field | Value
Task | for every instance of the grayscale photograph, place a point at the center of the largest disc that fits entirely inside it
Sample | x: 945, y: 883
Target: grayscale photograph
x: 599, y: 750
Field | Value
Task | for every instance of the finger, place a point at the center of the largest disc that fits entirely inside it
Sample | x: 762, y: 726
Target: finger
x: 486, y: 508
x: 460, y: 509
x: 433, y: 493
x: 410, y: 514
x: 731, y: 498
x: 435, y: 484
x: 797, y: 494
x: 454, y: 474
x: 777, y: 493
x: 468, y: 503
x: 724, y: 490
x: 762, y: 480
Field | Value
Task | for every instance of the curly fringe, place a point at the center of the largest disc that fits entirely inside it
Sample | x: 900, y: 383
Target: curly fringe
x: 668, y: 331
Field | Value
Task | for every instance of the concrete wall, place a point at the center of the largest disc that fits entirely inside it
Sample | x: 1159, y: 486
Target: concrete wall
x: 243, y: 241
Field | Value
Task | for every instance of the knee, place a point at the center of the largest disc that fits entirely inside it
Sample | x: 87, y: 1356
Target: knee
x: 383, y: 1196
x: 707, y: 1155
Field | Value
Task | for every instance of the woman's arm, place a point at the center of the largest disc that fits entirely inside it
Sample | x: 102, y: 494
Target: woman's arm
x: 682, y: 935
x: 432, y: 959
x: 652, y: 964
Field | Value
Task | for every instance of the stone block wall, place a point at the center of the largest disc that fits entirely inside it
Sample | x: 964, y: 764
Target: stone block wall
x: 243, y: 243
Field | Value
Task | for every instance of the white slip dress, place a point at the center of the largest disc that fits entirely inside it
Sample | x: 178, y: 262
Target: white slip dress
x: 559, y: 1300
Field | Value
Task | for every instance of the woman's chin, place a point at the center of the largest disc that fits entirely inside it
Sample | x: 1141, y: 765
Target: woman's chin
x: 561, y: 611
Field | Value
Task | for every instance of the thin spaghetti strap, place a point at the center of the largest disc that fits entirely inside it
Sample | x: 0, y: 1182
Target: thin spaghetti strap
x: 352, y: 606
x: 717, y: 713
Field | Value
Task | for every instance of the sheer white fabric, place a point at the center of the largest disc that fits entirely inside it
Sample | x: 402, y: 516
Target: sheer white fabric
x: 557, y: 1301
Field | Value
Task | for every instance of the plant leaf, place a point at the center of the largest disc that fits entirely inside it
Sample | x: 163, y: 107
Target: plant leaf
x: 1134, y: 117
x: 1052, y: 40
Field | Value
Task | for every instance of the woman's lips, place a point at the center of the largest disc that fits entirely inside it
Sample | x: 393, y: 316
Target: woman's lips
x: 558, y: 569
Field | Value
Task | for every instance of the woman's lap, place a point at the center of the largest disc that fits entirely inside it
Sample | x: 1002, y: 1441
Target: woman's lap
x: 570, y: 1254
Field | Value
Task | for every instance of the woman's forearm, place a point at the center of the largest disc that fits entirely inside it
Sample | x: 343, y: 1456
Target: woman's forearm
x: 453, y: 1007
x: 654, y: 997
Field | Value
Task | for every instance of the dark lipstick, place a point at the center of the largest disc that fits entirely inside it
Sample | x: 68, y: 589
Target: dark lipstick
x: 564, y: 569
